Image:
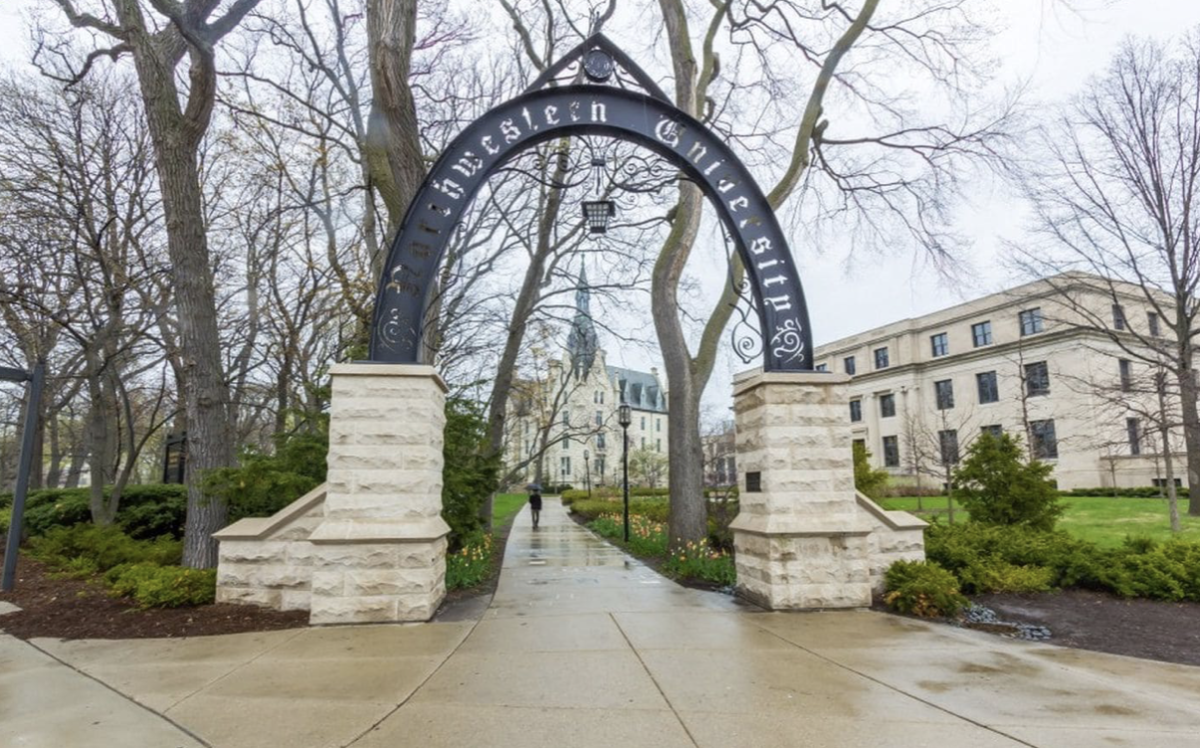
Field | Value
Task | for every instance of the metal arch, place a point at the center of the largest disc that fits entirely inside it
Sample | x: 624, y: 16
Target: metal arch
x: 405, y: 290
x: 599, y: 41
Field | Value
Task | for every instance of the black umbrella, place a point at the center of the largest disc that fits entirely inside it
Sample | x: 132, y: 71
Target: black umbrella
x: 533, y: 487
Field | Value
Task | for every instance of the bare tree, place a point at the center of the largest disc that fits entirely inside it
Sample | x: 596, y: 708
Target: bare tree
x: 1113, y: 187
x: 158, y: 42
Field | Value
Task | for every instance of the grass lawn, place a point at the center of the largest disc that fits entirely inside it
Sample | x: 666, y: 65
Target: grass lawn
x: 506, y: 506
x: 1101, y: 519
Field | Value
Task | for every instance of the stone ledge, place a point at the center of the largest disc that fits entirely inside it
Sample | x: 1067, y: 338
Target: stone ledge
x: 794, y: 526
x: 259, y: 528
x: 891, y: 518
x: 754, y: 378
x: 374, y: 369
x: 353, y: 531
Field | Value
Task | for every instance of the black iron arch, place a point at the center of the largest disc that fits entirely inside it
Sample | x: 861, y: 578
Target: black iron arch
x: 521, y: 123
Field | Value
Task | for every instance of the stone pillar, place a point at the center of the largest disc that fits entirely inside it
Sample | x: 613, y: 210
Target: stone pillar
x: 379, y: 555
x: 800, y: 540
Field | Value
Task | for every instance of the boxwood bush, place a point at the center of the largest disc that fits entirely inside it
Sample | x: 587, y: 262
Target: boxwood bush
x: 154, y: 586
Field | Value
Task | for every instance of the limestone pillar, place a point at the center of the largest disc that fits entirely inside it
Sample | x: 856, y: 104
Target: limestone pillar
x: 800, y: 540
x: 379, y: 555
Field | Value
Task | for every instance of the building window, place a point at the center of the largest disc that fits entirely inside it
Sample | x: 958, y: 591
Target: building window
x: 566, y: 419
x: 995, y: 430
x: 658, y: 424
x: 658, y: 445
x: 600, y: 468
x: 600, y: 441
x: 1037, y: 379
x: 1162, y: 482
x: 643, y: 442
x: 881, y: 358
x: 944, y: 390
x: 887, y: 405
x: 948, y: 441
x: 848, y: 364
x: 599, y: 418
x: 940, y: 344
x: 1042, y: 441
x: 855, y: 411
x: 1031, y: 321
x: 566, y: 443
x: 1118, y: 317
x: 643, y: 423
x: 1126, y: 368
x: 981, y: 334
x: 822, y: 367
x: 989, y: 391
x: 891, y: 451
x: 1133, y: 430
x: 1152, y: 322
x: 564, y: 466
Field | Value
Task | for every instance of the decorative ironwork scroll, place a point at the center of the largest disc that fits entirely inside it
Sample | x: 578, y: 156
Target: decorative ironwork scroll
x: 650, y: 121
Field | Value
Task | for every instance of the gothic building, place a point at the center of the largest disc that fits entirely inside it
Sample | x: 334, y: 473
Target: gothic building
x: 563, y: 425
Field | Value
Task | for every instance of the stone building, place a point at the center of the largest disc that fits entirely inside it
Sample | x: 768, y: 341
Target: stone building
x: 565, y: 420
x: 1038, y: 360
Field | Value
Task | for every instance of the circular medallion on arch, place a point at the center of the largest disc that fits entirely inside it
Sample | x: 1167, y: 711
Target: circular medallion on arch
x: 598, y: 66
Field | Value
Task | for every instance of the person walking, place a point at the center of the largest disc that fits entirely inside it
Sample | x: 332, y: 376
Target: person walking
x: 535, y: 505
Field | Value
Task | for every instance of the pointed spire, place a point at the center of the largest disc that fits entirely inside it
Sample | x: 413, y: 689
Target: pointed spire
x: 582, y: 342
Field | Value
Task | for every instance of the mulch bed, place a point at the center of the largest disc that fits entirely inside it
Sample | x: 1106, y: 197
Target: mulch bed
x: 62, y: 608
x: 1151, y: 629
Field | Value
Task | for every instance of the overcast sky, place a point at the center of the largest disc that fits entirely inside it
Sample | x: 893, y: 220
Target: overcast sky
x: 1055, y: 51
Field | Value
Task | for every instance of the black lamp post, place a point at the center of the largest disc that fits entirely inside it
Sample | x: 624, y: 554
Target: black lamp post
x: 625, y: 417
x: 587, y: 465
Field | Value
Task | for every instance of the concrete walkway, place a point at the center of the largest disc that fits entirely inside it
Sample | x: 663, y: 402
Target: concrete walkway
x: 585, y: 647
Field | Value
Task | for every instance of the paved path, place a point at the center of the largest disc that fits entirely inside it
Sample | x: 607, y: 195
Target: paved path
x: 585, y: 647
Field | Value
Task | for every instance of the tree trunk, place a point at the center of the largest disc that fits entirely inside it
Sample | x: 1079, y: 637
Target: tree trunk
x: 206, y: 395
x: 54, y: 473
x: 1191, y: 434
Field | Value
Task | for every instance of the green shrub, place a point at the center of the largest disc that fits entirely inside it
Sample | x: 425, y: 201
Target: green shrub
x: 263, y: 483
x: 64, y: 507
x: 58, y: 508
x: 994, y: 558
x: 997, y: 486
x: 573, y: 495
x: 102, y: 547
x: 470, y: 565
x: 867, y: 480
x: 922, y: 588
x: 154, y: 586
x: 5, y: 520
x: 154, y: 520
x: 468, y: 475
x: 1001, y: 576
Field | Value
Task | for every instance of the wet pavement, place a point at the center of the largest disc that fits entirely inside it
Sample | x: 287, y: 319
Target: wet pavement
x: 583, y: 646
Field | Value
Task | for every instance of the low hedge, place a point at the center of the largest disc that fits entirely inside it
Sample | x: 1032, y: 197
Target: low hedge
x: 651, y: 509
x: 1141, y: 492
x: 994, y: 558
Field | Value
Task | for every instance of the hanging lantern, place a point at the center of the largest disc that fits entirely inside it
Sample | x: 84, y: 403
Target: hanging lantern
x: 596, y: 214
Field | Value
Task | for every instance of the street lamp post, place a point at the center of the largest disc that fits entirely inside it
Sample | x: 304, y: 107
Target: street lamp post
x: 587, y: 466
x: 625, y: 417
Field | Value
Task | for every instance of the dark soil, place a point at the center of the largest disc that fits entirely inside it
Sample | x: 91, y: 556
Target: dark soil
x: 1152, y: 629
x: 53, y: 606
